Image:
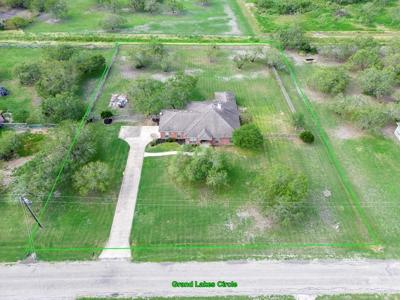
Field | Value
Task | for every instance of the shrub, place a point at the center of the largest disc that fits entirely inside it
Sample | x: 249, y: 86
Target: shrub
x: 245, y: 118
x: 105, y: 114
x: 170, y: 140
x: 307, y: 136
x: 247, y: 136
x: 17, y: 23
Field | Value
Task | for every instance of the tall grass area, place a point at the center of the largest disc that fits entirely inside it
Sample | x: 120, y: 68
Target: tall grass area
x: 193, y: 222
x: 69, y: 220
x: 369, y: 162
x: 195, y: 19
x: 321, y: 18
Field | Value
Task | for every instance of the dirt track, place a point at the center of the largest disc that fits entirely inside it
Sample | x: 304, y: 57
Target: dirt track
x: 121, y: 278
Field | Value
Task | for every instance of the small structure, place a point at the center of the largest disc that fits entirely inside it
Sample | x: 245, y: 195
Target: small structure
x: 3, y: 92
x: 309, y: 60
x: 2, y: 119
x: 397, y: 131
x: 118, y: 100
x: 208, y: 122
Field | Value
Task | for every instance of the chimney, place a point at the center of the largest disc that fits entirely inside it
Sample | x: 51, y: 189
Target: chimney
x: 219, y: 105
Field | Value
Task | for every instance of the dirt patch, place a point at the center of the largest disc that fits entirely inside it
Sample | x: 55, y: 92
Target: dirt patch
x: 39, y: 130
x: 250, y: 76
x: 262, y: 222
x: 15, y: 163
x: 327, y: 193
x: 130, y: 72
x: 388, y: 131
x: 314, y: 96
x: 193, y: 71
x: 319, y: 60
x: 348, y: 132
x: 10, y: 13
x: 162, y: 76
x: 232, y: 22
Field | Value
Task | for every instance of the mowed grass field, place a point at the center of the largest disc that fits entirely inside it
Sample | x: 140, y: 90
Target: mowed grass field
x: 223, y: 17
x: 193, y: 223
x: 24, y: 98
x: 369, y: 162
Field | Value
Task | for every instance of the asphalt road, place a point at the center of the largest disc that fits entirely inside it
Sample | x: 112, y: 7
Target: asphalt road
x: 122, y: 278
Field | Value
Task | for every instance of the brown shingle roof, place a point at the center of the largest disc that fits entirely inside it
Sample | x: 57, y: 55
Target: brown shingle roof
x: 204, y: 120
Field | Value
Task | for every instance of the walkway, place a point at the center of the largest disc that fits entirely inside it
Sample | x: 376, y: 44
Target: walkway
x: 137, y: 138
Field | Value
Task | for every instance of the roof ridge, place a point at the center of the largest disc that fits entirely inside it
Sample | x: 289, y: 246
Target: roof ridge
x: 224, y: 119
x: 193, y: 125
x: 170, y: 118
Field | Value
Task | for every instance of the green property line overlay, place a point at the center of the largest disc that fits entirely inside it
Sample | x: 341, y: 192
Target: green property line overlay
x: 31, y: 247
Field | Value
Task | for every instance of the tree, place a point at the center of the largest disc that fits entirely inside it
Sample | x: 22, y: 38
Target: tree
x: 27, y: 73
x: 284, y: 192
x: 38, y: 5
x: 364, y: 59
x: 247, y: 136
x: 376, y: 82
x: 112, y: 21
x: 59, y: 52
x: 392, y: 62
x: 17, y: 3
x: 167, y: 62
x: 137, y: 4
x: 57, y: 77
x: 58, y: 8
x: 147, y: 95
x: 332, y: 80
x: 89, y: 64
x: 392, y: 111
x: 173, y: 5
x: 157, y: 51
x: 65, y: 106
x: 254, y: 53
x: 92, y: 178
x: 141, y: 56
x: 368, y: 13
x: 307, y: 136
x: 207, y: 165
x: 240, y: 59
x: 9, y: 142
x: 178, y: 89
x: 150, y: 5
x: 340, y: 50
x: 371, y: 117
x: 290, y: 36
x: 204, y: 2
x: 212, y: 52
x: 298, y: 120
x: 37, y: 176
x: 274, y: 59
x: 114, y: 5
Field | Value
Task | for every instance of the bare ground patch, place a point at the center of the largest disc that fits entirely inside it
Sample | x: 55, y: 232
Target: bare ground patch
x: 388, y: 131
x: 232, y: 22
x: 320, y: 60
x: 9, y: 166
x: 345, y: 132
x: 261, y: 222
x: 10, y: 13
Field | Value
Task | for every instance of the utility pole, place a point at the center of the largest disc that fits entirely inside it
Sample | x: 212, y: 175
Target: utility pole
x: 26, y: 202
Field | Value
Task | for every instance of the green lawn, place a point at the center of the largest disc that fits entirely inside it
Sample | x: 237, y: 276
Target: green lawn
x: 164, y: 147
x: 222, y: 17
x: 228, y: 223
x: 69, y: 221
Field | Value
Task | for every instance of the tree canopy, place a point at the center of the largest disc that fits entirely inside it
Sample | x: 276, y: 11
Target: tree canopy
x: 332, y: 80
x: 285, y: 193
x: 92, y: 178
x: 377, y: 82
x: 247, y: 136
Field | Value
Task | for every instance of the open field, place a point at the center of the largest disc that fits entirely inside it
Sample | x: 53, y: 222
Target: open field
x: 222, y: 17
x: 321, y: 17
x: 23, y: 101
x: 369, y: 162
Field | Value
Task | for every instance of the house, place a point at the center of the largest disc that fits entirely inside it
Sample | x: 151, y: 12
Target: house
x: 397, y: 131
x: 207, y: 122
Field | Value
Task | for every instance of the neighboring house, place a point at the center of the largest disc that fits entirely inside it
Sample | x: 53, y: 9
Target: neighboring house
x: 397, y: 131
x: 211, y: 122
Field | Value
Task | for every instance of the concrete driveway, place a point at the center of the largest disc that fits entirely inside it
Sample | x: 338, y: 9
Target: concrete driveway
x: 137, y: 137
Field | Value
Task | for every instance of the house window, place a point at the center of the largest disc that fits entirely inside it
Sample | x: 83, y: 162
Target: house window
x: 178, y: 135
x: 192, y: 140
x: 166, y: 134
x: 216, y: 140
